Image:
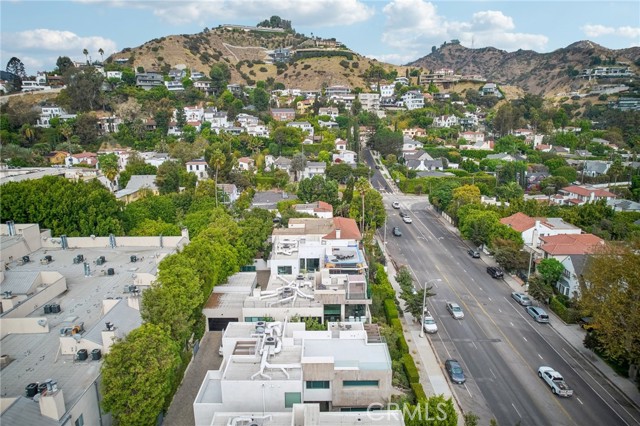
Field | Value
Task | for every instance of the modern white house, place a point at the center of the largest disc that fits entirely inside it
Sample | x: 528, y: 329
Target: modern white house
x: 305, y: 126
x: 413, y: 99
x: 369, y: 101
x: 532, y: 228
x: 314, y: 168
x: 268, y: 367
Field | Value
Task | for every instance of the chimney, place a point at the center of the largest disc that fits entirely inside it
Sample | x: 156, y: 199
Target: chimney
x: 337, y: 233
x: 52, y: 401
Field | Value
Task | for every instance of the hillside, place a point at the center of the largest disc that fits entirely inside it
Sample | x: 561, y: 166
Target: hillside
x: 246, y: 53
x: 539, y: 73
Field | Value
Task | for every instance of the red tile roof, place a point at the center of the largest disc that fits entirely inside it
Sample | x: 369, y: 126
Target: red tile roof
x: 586, y: 191
x: 323, y: 207
x: 348, y: 229
x: 570, y: 244
x: 519, y: 222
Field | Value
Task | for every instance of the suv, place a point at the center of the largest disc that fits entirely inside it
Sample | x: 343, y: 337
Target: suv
x: 538, y: 314
x: 474, y: 253
x: 495, y: 272
x: 455, y: 371
x: 396, y: 231
x: 455, y: 310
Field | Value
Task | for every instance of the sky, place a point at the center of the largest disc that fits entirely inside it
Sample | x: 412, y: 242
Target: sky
x: 393, y: 31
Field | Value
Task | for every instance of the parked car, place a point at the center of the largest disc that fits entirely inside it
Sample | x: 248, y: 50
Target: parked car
x: 455, y: 310
x: 474, y: 253
x: 521, y: 298
x: 495, y: 272
x: 538, y: 314
x: 395, y: 205
x: 396, y: 231
x: 587, y: 323
x: 429, y: 325
x: 454, y: 371
x: 407, y: 219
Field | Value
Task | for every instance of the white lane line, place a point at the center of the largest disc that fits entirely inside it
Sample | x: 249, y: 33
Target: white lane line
x: 493, y: 374
x: 465, y: 386
x: 514, y: 407
x: 511, y: 324
x: 489, y: 299
x: 499, y: 310
x: 474, y: 345
x: 540, y: 356
x: 581, y: 403
x: 525, y: 339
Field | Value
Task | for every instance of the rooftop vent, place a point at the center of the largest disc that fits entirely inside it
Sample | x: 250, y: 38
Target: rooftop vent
x: 7, y: 294
x: 270, y: 341
x: 109, y: 325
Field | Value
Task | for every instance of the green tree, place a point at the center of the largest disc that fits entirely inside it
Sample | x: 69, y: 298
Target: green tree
x: 386, y: 142
x: 463, y: 195
x: 566, y: 172
x: 63, y: 63
x: 168, y: 177
x: 83, y: 90
x: 139, y: 374
x: 108, y: 163
x: 435, y: 411
x: 298, y: 164
x: 150, y: 227
x: 610, y: 293
x: 509, y: 191
x: 318, y: 188
x: 550, y: 270
x: 216, y: 162
x: 260, y: 99
x: 478, y: 226
x: 135, y: 166
x: 220, y: 76
x: 442, y: 193
x: 374, y: 211
x: 509, y: 254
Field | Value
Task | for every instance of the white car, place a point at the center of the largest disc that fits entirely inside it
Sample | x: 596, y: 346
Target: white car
x: 429, y: 324
x: 407, y: 219
x: 395, y: 205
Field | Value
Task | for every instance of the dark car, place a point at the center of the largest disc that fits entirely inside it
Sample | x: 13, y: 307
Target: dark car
x: 474, y: 253
x: 396, y: 231
x: 403, y: 214
x: 454, y: 371
x: 495, y: 272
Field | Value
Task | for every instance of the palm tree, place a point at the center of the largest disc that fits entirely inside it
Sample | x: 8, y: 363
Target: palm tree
x: 85, y: 52
x: 362, y: 185
x: 216, y: 162
x: 101, y: 52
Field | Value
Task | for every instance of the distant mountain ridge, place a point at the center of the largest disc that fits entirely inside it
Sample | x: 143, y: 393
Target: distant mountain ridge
x: 538, y: 73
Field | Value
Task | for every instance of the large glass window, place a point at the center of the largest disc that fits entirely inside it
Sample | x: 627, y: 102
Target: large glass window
x: 285, y: 270
x: 318, y: 384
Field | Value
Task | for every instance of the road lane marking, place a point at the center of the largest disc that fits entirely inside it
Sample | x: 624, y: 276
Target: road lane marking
x: 511, y: 324
x: 493, y: 374
x: 540, y: 356
x: 514, y: 407
x: 499, y: 310
x: 474, y: 345
x: 465, y: 386
x: 489, y: 299
x: 581, y: 403
x: 525, y: 339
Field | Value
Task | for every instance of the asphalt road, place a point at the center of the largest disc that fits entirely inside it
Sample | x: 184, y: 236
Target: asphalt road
x: 499, y: 345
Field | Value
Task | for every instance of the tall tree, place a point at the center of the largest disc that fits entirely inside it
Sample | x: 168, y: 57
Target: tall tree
x: 108, y: 163
x: 298, y: 164
x: 139, y: 374
x: 16, y: 67
x: 85, y: 52
x: 64, y: 63
x: 101, y: 52
x: 318, y: 188
x: 216, y: 162
x: 220, y: 76
x: 83, y: 89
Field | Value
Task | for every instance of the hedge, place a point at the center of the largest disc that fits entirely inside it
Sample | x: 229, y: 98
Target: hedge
x: 419, y: 392
x: 402, y: 344
x: 390, y: 310
x: 396, y: 324
x: 567, y: 315
x: 265, y: 180
x: 410, y: 368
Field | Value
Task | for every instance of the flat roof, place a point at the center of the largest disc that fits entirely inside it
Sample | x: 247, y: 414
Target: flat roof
x: 242, y: 367
x: 349, y: 353
x: 36, y: 357
x: 329, y: 418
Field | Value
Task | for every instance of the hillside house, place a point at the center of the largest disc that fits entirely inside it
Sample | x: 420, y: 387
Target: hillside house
x: 413, y: 99
x: 582, y: 194
x: 230, y: 191
x: 246, y: 163
x: 198, y: 167
x: 369, y: 101
x: 283, y: 114
x: 305, y: 126
x: 445, y: 121
x: 314, y: 168
x: 490, y: 89
x: 149, y: 80
x: 533, y: 228
x: 332, y: 91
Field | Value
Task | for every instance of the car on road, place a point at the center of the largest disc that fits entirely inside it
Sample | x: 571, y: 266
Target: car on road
x: 474, y: 253
x: 521, y: 298
x: 429, y: 324
x: 407, y: 219
x: 495, y: 272
x: 395, y: 205
x: 455, y: 310
x: 454, y: 371
x: 403, y: 214
x: 538, y: 314
x: 396, y: 231
x: 555, y: 381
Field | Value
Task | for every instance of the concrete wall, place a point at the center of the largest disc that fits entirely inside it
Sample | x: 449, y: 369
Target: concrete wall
x: 280, y: 313
x: 88, y: 406
x: 49, y: 285
x: 360, y: 396
x: 103, y: 242
x: 248, y: 395
x: 22, y: 326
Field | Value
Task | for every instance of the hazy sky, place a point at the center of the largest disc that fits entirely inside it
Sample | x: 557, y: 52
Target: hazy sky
x: 396, y: 31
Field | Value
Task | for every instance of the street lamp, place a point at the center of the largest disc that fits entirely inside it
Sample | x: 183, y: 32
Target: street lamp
x: 424, y: 301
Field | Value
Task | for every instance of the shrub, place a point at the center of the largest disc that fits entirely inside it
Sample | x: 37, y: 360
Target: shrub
x: 410, y: 369
x: 418, y: 392
x: 390, y: 310
x: 568, y: 315
x: 403, y: 347
x: 263, y: 69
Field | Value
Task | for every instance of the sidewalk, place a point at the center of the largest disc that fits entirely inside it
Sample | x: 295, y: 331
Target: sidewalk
x: 432, y: 377
x: 571, y: 333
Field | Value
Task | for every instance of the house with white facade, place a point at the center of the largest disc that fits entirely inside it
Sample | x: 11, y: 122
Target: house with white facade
x: 198, y: 167
x: 445, y: 121
x: 345, y: 156
x: 230, y: 191
x: 218, y: 119
x: 337, y: 91
x: 314, y: 168
x: 50, y: 111
x: 387, y: 90
x: 369, y: 101
x: 305, y: 126
x: 490, y: 89
x: 413, y: 99
x: 582, y: 194
x: 282, y: 163
x: 410, y: 145
x: 533, y: 228
x: 340, y: 144
x: 246, y: 163
x: 319, y: 209
x: 245, y: 120
x: 330, y: 111
x: 473, y: 137
x: 273, y: 367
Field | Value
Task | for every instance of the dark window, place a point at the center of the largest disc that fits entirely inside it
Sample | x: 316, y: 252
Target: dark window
x: 318, y: 384
x: 352, y: 383
x: 80, y: 421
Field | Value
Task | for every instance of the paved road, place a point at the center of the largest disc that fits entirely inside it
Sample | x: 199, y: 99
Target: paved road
x: 499, y: 346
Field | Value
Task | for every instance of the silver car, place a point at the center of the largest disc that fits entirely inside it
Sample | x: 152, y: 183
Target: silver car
x: 538, y: 314
x: 521, y: 298
x: 455, y: 310
x: 429, y: 325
